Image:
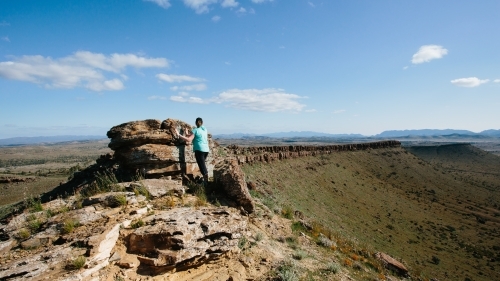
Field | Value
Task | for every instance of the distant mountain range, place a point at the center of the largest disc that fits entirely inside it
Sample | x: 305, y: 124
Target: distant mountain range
x: 293, y: 134
x: 431, y: 132
x: 385, y: 134
x: 51, y: 139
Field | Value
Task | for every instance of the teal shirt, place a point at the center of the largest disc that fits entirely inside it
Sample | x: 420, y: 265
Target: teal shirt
x: 200, y: 141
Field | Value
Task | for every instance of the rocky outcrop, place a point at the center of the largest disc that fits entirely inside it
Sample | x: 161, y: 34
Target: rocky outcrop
x: 272, y: 153
x: 184, y: 237
x: 232, y: 178
x: 150, y: 147
x: 392, y: 264
x: 156, y: 187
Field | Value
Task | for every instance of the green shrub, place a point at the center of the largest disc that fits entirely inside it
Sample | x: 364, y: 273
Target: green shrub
x: 242, y: 242
x: 288, y: 272
x: 117, y: 200
x: 23, y: 234
x: 333, y: 267
x: 299, y: 254
x: 137, y: 223
x: 259, y: 237
x: 287, y: 212
x: 69, y: 225
x: 76, y: 263
x: 33, y: 223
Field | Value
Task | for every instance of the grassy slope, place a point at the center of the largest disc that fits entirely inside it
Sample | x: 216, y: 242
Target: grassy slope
x: 393, y: 201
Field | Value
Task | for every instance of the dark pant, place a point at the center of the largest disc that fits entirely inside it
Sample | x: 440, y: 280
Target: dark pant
x: 200, y: 159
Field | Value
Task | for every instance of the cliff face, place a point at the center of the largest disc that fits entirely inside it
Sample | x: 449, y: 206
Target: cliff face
x: 151, y: 148
x: 272, y: 153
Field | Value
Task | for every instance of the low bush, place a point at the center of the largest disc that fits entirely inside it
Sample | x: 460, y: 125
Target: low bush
x: 137, y: 223
x: 69, y: 225
x: 76, y: 263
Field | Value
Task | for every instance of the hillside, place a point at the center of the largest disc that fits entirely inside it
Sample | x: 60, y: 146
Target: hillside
x: 440, y: 225
x: 321, y: 213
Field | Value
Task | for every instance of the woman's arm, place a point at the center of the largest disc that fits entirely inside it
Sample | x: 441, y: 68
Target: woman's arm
x: 188, y: 138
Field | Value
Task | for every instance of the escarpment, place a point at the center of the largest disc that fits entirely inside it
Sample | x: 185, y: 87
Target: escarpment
x: 271, y: 153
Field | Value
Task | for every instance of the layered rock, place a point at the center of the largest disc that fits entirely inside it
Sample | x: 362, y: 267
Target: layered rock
x: 392, y: 264
x: 232, y: 178
x: 151, y: 147
x: 185, y: 237
x: 271, y: 153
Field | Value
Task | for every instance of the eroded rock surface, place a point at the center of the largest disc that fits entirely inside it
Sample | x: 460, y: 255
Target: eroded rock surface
x: 185, y: 237
x: 392, y: 264
x: 150, y: 147
x: 232, y: 178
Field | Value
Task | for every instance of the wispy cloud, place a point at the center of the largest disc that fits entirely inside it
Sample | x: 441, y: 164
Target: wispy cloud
x: 261, y: 1
x: 427, y: 53
x: 229, y: 3
x: 264, y: 100
x: 6, y: 39
x: 82, y: 69
x: 4, y: 23
x: 188, y: 99
x: 496, y: 81
x: 241, y: 10
x: 311, y: 4
x: 156, y: 98
x: 339, y: 111
x: 178, y: 78
x: 195, y: 87
x: 469, y: 82
x: 215, y: 18
x: 200, y: 6
x: 162, y: 3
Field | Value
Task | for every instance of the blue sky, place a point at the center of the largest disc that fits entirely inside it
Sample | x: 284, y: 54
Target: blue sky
x: 251, y: 66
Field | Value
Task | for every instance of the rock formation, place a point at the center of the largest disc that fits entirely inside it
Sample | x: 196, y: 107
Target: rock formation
x: 232, y: 178
x: 184, y: 237
x: 150, y: 147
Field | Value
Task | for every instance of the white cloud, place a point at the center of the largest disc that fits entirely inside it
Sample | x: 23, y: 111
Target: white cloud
x: 427, y: 53
x: 4, y: 23
x: 188, y: 99
x: 229, y: 3
x: 162, y: 3
x: 82, y: 69
x: 178, y: 78
x: 215, y: 18
x: 339, y: 111
x: 227, y: 63
x: 469, y: 82
x: 311, y: 4
x: 108, y: 85
x: 310, y: 110
x: 156, y: 98
x: 241, y: 10
x: 6, y: 39
x: 266, y: 100
x: 496, y: 81
x: 405, y: 68
x: 199, y: 6
x: 261, y: 1
x: 195, y: 87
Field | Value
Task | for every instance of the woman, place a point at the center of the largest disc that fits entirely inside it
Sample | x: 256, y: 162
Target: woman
x: 199, y: 138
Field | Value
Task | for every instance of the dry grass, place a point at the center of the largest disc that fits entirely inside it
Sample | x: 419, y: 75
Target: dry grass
x: 355, y: 196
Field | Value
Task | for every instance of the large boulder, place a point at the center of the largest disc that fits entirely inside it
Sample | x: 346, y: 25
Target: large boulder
x: 232, y: 178
x: 392, y: 264
x: 150, y: 147
x: 184, y: 237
